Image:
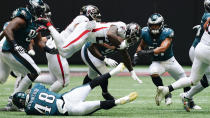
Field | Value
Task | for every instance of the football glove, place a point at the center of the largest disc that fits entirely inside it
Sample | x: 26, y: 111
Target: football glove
x: 110, y: 62
x: 123, y: 45
x: 43, y: 21
x: 135, y: 77
x: 145, y: 53
x: 31, y: 52
x: 50, y: 50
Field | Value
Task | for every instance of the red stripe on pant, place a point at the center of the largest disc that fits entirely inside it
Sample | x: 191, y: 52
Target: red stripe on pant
x: 81, y: 35
x: 61, y: 68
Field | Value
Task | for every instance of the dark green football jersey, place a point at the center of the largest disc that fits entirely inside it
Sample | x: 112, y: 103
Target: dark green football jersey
x: 153, y: 43
x: 24, y: 35
x: 42, y: 101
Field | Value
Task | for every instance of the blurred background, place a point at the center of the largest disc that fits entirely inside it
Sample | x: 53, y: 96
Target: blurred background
x: 180, y: 15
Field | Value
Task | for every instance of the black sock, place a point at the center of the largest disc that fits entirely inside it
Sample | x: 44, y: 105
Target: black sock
x: 204, y: 82
x: 108, y: 104
x: 170, y: 87
x: 104, y: 86
x: 186, y: 89
x: 99, y: 80
x: 86, y: 79
x: 157, y: 81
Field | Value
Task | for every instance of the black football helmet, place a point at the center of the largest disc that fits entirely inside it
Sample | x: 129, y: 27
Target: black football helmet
x: 91, y: 11
x: 207, y: 5
x: 36, y: 8
x: 155, y: 23
x: 133, y: 33
x: 19, y: 99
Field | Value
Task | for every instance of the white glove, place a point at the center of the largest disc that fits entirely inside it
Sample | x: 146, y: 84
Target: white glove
x: 123, y: 45
x: 110, y: 62
x: 31, y: 52
x: 196, y: 27
x: 134, y: 76
x: 19, y: 49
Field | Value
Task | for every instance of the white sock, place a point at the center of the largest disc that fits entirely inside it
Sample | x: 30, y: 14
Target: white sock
x: 116, y: 70
x: 181, y: 83
x: 24, y: 84
x: 45, y: 79
x: 117, y: 102
x: 56, y: 86
x: 194, y: 90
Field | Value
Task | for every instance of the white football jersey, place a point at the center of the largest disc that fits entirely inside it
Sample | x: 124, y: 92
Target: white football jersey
x: 102, y: 29
x: 70, y: 28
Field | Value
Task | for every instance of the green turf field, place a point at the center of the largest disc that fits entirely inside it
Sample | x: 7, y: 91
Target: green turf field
x: 143, y: 107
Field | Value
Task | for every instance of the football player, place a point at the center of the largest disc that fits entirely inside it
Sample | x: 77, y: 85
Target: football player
x: 20, y: 30
x: 206, y: 77
x: 158, y: 39
x: 41, y: 101
x: 94, y: 55
x: 200, y: 65
x: 81, y: 33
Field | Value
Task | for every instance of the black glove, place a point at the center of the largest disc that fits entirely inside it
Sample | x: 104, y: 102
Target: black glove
x: 50, y: 50
x: 135, y: 60
x: 43, y: 21
x: 145, y: 53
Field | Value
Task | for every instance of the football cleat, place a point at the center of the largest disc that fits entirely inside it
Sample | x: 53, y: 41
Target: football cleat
x: 168, y: 99
x: 129, y: 98
x: 107, y: 96
x: 189, y: 103
x: 162, y: 91
x: 10, y: 107
x: 185, y: 102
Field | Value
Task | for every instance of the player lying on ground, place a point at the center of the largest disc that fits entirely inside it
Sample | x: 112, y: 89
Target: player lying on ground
x: 41, y: 101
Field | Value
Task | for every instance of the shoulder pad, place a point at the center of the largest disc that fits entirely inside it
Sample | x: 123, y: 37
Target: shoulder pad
x: 21, y: 12
x: 169, y: 32
x: 144, y: 30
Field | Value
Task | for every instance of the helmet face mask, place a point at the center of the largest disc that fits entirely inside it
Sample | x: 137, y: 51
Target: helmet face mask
x: 133, y: 32
x: 207, y: 5
x: 91, y: 11
x: 19, y: 99
x: 155, y: 23
x: 36, y: 8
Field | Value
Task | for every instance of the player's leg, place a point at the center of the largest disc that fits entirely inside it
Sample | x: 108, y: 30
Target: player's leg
x: 59, y: 67
x: 73, y: 96
x: 74, y: 42
x: 200, y: 64
x: 175, y: 70
x: 4, y: 71
x: 89, y: 107
x: 156, y: 69
x: 96, y: 67
x: 23, y: 64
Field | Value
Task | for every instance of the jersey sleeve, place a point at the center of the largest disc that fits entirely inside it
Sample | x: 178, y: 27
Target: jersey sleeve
x: 169, y: 33
x: 22, y: 13
x: 144, y: 32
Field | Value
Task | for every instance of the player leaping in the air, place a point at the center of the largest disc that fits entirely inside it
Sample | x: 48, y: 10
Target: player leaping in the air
x: 81, y: 33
